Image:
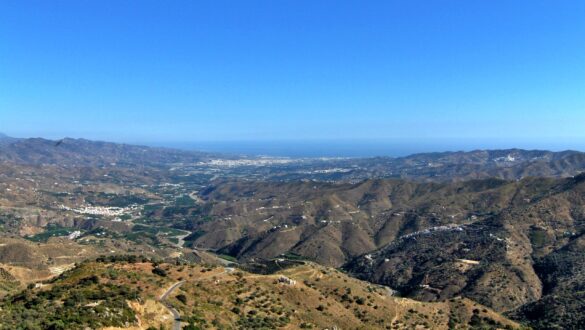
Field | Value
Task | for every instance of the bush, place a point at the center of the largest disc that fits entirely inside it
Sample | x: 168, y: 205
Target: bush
x: 182, y: 298
x: 159, y: 271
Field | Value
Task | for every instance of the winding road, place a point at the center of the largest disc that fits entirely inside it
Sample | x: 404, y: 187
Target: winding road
x: 176, y: 315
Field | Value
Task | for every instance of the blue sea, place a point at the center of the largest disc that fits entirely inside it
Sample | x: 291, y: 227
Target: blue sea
x: 298, y: 149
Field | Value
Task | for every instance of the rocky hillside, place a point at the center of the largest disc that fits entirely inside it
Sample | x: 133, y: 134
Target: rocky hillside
x: 333, y: 223
x: 510, y: 245
x: 129, y: 293
x: 519, y: 260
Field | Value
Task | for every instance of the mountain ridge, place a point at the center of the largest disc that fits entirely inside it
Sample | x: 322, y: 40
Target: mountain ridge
x: 508, y: 164
x: 83, y: 152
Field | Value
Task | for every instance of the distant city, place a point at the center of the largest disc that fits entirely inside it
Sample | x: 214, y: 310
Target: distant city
x: 363, y: 148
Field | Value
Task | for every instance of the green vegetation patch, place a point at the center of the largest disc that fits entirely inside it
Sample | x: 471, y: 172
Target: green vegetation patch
x: 52, y: 230
x: 538, y: 238
x: 152, y: 230
x: 114, y: 200
x: 185, y: 201
x: 228, y: 258
x: 85, y: 303
x: 293, y: 256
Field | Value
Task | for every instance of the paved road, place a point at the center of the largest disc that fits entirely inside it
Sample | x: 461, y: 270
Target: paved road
x: 176, y: 315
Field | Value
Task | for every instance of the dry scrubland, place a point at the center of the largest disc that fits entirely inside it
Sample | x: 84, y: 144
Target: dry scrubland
x: 126, y: 295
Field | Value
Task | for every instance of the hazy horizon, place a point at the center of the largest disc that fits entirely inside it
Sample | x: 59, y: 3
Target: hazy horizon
x: 354, y: 149
x: 343, y: 148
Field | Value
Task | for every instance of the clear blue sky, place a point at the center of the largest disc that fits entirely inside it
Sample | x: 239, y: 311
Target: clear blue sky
x: 179, y: 71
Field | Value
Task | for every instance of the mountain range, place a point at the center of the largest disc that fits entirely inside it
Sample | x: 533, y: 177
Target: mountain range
x: 509, y: 164
x: 501, y: 228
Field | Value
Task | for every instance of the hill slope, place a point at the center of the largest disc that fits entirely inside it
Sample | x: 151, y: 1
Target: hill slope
x: 332, y: 223
x: 123, y: 294
x: 81, y: 152
x: 518, y: 261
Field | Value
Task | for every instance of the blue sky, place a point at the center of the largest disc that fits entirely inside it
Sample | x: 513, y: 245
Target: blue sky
x: 181, y: 71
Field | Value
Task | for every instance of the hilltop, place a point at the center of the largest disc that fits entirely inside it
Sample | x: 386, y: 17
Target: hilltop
x: 116, y: 294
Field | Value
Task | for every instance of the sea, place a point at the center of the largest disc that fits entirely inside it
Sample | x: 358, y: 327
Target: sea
x: 353, y: 149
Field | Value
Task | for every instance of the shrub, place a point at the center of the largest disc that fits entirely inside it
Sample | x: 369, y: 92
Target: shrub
x: 159, y: 271
x: 182, y: 298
